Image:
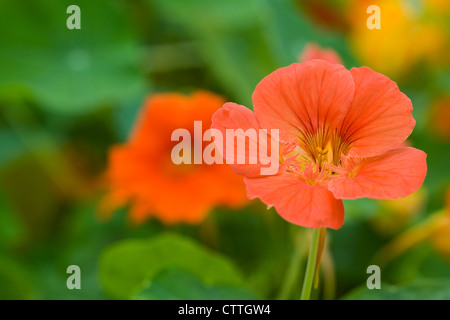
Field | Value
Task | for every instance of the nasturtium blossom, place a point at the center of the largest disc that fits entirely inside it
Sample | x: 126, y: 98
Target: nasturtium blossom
x: 341, y: 135
x: 141, y: 172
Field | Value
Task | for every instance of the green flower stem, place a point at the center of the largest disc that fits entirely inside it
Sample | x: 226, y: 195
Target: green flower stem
x: 311, y: 266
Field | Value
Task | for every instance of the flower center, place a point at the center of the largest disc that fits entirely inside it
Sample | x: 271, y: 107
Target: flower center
x: 324, y: 146
x: 314, y: 156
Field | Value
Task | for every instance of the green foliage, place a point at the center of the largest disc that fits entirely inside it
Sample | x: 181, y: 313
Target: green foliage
x: 11, y: 230
x: 243, y: 46
x: 229, y: 40
x: 126, y: 265
x: 69, y: 70
x: 420, y: 290
x: 175, y: 284
x: 261, y: 245
x: 15, y: 283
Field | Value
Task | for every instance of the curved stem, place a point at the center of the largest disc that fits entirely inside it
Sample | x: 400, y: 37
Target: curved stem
x: 310, y: 267
x: 323, y: 232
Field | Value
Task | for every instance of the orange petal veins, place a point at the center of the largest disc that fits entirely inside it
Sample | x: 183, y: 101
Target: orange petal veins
x: 234, y: 116
x: 392, y: 175
x: 380, y: 117
x: 303, y: 97
x: 297, y: 202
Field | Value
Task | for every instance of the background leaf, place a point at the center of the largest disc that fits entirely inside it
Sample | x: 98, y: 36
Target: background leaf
x: 420, y: 290
x: 176, y: 284
x: 15, y: 283
x: 127, y: 264
x: 70, y: 70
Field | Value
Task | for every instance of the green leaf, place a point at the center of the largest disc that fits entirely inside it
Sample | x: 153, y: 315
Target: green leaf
x: 69, y: 70
x: 425, y: 289
x: 261, y: 245
x: 176, y: 284
x: 127, y: 264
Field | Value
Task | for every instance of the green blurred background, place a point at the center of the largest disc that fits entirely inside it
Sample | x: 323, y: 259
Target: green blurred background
x: 67, y: 96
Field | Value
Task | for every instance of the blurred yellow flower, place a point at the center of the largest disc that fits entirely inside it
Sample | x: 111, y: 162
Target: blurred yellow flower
x: 411, y: 33
x: 434, y: 229
x: 396, y: 214
x: 441, y: 238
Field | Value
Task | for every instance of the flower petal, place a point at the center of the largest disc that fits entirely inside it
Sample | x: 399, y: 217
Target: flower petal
x: 304, y: 97
x: 234, y: 116
x: 314, y: 51
x: 380, y: 117
x: 392, y: 175
x: 298, y: 202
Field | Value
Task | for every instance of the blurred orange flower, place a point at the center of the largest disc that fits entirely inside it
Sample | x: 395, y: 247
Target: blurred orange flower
x: 314, y: 51
x: 440, y: 118
x: 142, y: 174
x: 410, y: 33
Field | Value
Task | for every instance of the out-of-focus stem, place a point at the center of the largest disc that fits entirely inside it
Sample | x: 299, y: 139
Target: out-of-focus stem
x: 323, y: 233
x: 329, y: 277
x: 295, y: 265
x: 311, y: 266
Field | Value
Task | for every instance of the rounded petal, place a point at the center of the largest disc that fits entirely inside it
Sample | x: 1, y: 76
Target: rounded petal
x: 380, y: 117
x: 152, y: 192
x: 314, y: 51
x: 392, y: 175
x: 297, y: 202
x: 176, y: 202
x: 162, y: 113
x: 245, y: 128
x: 304, y: 97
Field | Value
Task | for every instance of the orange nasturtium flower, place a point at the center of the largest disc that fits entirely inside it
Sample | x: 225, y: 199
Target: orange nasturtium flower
x: 141, y: 172
x: 340, y: 137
